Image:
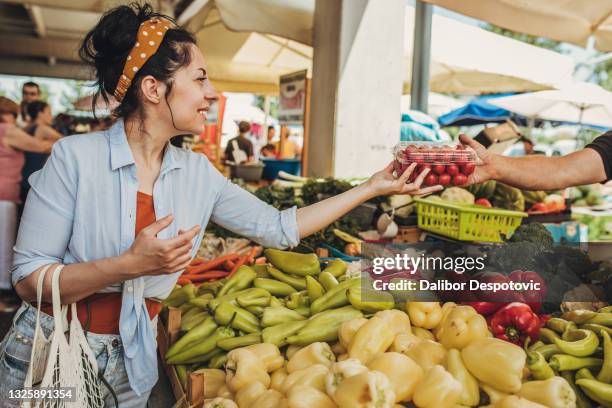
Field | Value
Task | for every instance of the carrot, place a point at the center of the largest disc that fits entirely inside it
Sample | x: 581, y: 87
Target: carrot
x: 182, y: 280
x: 239, y: 263
x: 207, y: 276
x: 215, y: 263
x: 256, y: 250
x: 197, y: 261
x: 261, y: 260
x: 229, y: 265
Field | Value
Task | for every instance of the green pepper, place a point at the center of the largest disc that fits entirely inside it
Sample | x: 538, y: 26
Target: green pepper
x: 564, y: 362
x: 237, y: 317
x: 240, y: 280
x: 191, y: 312
x: 557, y: 324
x: 218, y: 361
x: 202, y: 300
x: 579, y: 316
x: 186, y: 307
x: 181, y: 295
x: 601, y: 392
x: 370, y: 301
x: 335, y: 297
x: 584, y: 343
x: 299, y: 299
x: 605, y: 319
x: 537, y: 344
x: 607, y: 309
x: 231, y: 298
x: 294, y: 281
x: 192, y: 321
x: 261, y: 270
x: 203, y: 358
x: 548, y: 350
x: 324, y: 326
x: 581, y: 400
x: 314, y: 288
x: 181, y: 373
x: 278, y: 334
x: 275, y: 287
x: 597, y: 328
x: 201, y: 349
x: 211, y: 287
x: 256, y: 310
x: 328, y: 280
x: 274, y: 302
x: 242, y: 341
x: 337, y: 268
x: 303, y: 310
x: 273, y: 316
x: 538, y: 367
x: 585, y: 374
x: 254, y: 297
x: 293, y: 262
x: 197, y: 334
x: 569, y: 329
x: 605, y: 374
x: 548, y: 336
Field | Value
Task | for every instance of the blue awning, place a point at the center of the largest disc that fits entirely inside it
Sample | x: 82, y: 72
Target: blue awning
x: 478, y: 112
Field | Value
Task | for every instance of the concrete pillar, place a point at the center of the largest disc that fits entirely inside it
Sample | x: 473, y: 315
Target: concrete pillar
x: 356, y: 86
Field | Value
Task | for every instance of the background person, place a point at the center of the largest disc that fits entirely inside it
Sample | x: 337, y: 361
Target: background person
x: 242, y: 143
x: 30, y: 92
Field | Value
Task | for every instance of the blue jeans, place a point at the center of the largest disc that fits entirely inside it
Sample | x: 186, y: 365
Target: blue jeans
x: 16, y: 348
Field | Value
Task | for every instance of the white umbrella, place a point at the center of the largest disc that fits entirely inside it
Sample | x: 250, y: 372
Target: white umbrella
x: 580, y: 102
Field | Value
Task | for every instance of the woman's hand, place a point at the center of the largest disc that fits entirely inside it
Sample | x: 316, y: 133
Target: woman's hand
x: 385, y: 183
x: 485, y: 171
x: 153, y: 256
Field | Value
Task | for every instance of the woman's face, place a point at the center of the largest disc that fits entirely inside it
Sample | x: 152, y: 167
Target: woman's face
x: 192, y: 95
x: 46, y: 116
x: 8, y: 118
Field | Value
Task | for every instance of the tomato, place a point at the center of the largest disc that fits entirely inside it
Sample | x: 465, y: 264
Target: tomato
x: 431, y: 180
x: 468, y: 168
x: 438, y: 169
x: 538, y: 207
x: 444, y: 180
x: 460, y: 179
x: 483, y: 202
x: 452, y: 169
x: 422, y: 167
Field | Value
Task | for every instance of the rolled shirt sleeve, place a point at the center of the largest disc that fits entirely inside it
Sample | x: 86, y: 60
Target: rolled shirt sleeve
x: 46, y: 224
x: 241, y: 212
x: 603, y: 146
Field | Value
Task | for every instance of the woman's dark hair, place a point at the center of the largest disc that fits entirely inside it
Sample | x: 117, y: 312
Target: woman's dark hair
x: 34, y: 108
x: 107, y: 46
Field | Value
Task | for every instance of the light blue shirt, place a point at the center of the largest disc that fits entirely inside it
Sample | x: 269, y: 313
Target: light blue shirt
x: 82, y: 207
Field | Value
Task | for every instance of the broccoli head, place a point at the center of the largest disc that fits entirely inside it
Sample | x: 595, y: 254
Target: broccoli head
x: 533, y: 232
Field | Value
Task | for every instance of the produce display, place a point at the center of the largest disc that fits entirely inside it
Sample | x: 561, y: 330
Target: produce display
x: 449, y: 165
x: 298, y: 332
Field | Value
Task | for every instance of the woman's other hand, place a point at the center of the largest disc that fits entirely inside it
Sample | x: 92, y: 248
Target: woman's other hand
x: 385, y: 183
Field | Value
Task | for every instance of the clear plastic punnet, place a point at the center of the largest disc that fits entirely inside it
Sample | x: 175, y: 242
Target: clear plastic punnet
x: 449, y: 163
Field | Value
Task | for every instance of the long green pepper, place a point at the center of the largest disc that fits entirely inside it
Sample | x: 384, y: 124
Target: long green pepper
x: 237, y: 342
x: 196, y: 334
x: 237, y: 317
x: 585, y: 345
x: 328, y: 280
x: 241, y: 280
x: 293, y: 262
x: 605, y: 374
x: 337, y: 268
x: 273, y: 316
x: 336, y: 297
x: 275, y: 287
x: 200, y: 352
x: 254, y: 297
x: 585, y: 374
x: 314, y: 288
x: 278, y: 334
x: 324, y: 326
x: 294, y: 281
x: 564, y: 362
x: 582, y: 400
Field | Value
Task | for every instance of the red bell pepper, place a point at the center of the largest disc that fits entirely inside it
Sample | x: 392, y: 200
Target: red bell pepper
x: 489, y: 295
x: 514, y: 323
x: 533, y: 297
x: 485, y: 308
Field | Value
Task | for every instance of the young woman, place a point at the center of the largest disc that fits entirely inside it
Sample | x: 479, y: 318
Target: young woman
x: 40, y: 128
x: 13, y: 143
x: 125, y: 211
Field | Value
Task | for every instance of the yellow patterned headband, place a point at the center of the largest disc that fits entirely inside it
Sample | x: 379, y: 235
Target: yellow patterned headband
x: 150, y: 36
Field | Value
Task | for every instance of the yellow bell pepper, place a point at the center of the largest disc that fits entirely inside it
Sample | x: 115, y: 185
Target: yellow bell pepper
x: 554, y: 392
x: 316, y: 353
x: 494, y: 395
x: 271, y: 399
x: 426, y: 315
x: 278, y: 378
x: 269, y: 354
x: 341, y: 370
x: 437, y: 389
x: 371, y: 339
x: 495, y: 362
x: 370, y: 389
x: 398, y: 320
x: 224, y: 392
x: 244, y: 367
x: 423, y: 334
x: 214, y: 379
x: 461, y: 326
x: 308, y: 397
x: 291, y: 350
x: 402, y: 372
x: 446, y: 309
x: 402, y: 342
x: 514, y: 401
x: 348, y: 329
x: 343, y: 357
x: 313, y: 376
x: 427, y: 353
x: 338, y: 349
x: 247, y: 395
x: 219, y: 403
x: 470, y: 394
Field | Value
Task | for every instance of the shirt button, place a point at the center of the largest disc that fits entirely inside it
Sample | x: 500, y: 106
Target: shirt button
x: 115, y: 343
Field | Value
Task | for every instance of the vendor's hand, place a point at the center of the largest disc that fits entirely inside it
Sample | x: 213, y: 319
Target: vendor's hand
x: 153, y: 256
x: 484, y: 171
x: 385, y: 183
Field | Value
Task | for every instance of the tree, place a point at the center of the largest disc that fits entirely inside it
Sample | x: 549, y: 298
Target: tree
x: 260, y: 101
x: 602, y: 73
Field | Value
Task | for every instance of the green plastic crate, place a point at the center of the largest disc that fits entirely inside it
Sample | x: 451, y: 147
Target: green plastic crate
x: 467, y: 222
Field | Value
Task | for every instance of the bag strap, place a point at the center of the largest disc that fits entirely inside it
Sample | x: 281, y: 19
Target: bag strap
x: 39, y: 290
x: 58, y: 311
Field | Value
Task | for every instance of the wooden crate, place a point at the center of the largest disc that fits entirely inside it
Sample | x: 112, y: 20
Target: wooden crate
x: 167, y: 334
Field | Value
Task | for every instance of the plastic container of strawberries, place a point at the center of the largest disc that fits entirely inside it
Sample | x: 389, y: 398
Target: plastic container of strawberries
x: 449, y: 163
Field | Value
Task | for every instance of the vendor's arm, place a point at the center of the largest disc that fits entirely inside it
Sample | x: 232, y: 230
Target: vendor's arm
x: 46, y: 228
x: 20, y: 140
x: 587, y: 166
